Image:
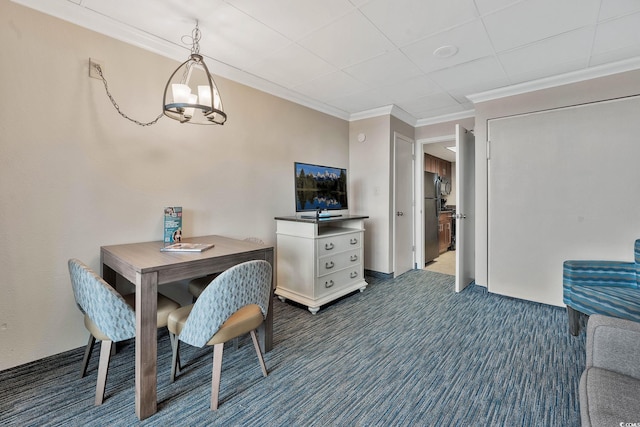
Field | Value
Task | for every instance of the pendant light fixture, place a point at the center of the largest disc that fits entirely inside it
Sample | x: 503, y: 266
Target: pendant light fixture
x: 191, y: 95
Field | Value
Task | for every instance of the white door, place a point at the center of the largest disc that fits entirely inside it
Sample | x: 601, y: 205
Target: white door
x: 465, y: 208
x: 563, y: 184
x: 403, y: 248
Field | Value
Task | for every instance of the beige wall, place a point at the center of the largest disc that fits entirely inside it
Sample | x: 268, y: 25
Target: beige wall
x: 371, y: 184
x: 74, y: 175
x: 369, y: 187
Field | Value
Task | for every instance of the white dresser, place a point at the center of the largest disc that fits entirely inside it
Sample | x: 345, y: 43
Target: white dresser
x: 319, y: 260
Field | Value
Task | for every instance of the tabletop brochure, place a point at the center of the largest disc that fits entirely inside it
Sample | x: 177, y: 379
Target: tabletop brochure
x: 172, y: 225
x: 173, y: 233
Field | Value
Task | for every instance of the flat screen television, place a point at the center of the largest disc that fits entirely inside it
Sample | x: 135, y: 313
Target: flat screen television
x: 320, y: 187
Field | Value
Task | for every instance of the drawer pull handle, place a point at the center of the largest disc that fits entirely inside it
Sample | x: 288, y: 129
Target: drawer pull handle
x: 353, y: 241
x: 354, y: 258
x: 329, y: 265
x: 354, y: 274
x: 328, y: 246
x: 328, y: 284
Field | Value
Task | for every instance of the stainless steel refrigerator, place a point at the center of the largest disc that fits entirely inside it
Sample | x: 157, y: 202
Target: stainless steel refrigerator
x: 431, y: 216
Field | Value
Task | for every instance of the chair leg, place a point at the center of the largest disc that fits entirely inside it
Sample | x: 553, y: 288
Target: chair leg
x: 175, y: 357
x: 574, y: 321
x: 215, y: 375
x: 256, y: 344
x: 103, y: 369
x: 87, y: 354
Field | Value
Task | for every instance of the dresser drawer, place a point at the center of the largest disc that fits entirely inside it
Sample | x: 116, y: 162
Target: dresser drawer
x: 339, y: 243
x: 332, y: 263
x: 335, y: 281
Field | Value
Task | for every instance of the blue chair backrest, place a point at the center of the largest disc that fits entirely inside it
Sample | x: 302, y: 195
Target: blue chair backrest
x: 103, y: 304
x: 239, y: 286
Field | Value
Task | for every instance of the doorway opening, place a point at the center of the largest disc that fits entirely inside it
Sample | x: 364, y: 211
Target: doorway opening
x: 462, y: 212
x: 436, y: 162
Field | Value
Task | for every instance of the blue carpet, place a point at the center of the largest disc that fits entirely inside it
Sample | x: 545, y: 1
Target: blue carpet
x: 405, y: 352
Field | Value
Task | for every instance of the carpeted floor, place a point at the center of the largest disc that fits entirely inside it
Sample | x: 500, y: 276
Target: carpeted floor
x: 406, y: 352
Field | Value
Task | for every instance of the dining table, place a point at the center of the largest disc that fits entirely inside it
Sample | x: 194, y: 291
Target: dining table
x: 147, y: 267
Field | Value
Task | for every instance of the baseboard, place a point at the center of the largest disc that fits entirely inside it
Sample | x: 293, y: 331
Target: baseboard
x: 378, y: 275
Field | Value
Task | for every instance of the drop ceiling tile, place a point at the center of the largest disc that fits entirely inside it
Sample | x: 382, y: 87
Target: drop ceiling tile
x: 530, y: 21
x: 407, y: 21
x: 291, y: 66
x: 160, y: 17
x: 487, y: 6
x: 617, y: 34
x: 470, y: 39
x: 388, y: 68
x: 362, y: 101
x: 541, y: 59
x: 435, y: 101
x: 294, y: 18
x: 228, y: 35
x: 235, y: 38
x: 331, y: 86
x: 347, y: 41
x: 415, y: 87
x: 475, y: 75
x: 615, y: 55
x: 616, y: 8
x: 551, y: 70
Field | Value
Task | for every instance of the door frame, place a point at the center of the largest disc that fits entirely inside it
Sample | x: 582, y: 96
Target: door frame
x: 419, y: 196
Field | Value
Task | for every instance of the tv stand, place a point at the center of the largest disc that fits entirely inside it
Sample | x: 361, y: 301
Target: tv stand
x: 319, y: 259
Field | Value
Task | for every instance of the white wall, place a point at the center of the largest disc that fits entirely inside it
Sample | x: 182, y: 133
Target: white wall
x: 554, y: 185
x: 619, y: 85
x: 74, y: 175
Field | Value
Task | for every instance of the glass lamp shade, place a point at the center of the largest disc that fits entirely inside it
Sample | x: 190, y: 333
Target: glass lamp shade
x: 188, y: 95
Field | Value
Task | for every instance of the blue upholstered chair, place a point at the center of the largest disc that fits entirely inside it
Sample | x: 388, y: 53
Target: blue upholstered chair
x: 610, y: 288
x: 233, y: 304
x: 108, y: 316
x: 197, y: 285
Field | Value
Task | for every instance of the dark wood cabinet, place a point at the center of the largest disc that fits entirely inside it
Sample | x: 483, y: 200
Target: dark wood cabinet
x: 444, y: 231
x: 437, y: 165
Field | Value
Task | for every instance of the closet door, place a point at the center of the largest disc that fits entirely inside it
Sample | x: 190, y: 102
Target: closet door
x: 563, y: 184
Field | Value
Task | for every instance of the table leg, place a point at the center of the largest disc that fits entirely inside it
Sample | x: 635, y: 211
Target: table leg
x: 146, y: 344
x: 265, y: 332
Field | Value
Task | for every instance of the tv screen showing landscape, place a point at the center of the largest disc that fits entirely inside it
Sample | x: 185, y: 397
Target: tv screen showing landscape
x: 320, y: 187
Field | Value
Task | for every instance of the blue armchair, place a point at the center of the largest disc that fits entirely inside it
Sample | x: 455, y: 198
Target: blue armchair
x: 610, y: 288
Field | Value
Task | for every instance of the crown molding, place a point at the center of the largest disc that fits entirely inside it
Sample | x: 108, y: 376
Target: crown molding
x: 446, y: 118
x: 560, y: 80
x: 87, y: 18
x: 75, y: 13
x: 400, y: 114
x: 387, y: 110
x: 368, y: 114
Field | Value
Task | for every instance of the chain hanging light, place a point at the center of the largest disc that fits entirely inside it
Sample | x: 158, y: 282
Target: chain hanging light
x: 193, y: 97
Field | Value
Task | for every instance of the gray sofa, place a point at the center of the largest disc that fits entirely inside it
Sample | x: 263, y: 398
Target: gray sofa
x: 610, y: 383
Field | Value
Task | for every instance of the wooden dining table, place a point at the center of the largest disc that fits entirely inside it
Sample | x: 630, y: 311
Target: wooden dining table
x: 144, y: 265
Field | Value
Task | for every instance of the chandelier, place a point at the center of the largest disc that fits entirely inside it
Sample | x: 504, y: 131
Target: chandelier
x: 193, y: 97
x: 190, y: 95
